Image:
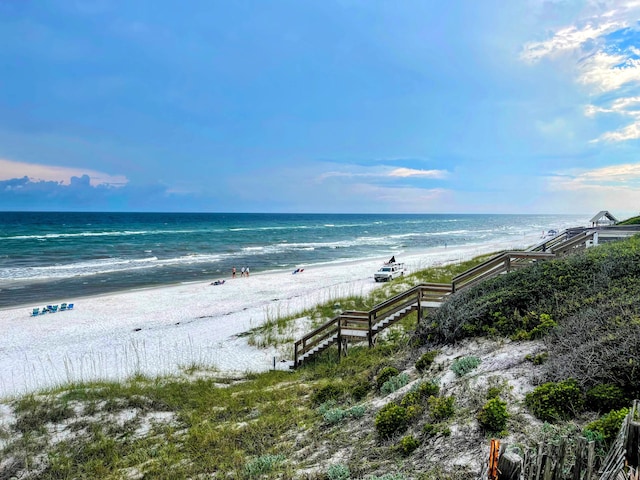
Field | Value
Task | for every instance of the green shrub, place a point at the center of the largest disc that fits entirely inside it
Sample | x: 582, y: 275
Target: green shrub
x: 395, y: 383
x: 441, y: 408
x: 359, y: 389
x: 391, y: 419
x: 385, y: 374
x: 330, y: 391
x: 425, y: 361
x: 552, y: 402
x: 357, y: 411
x: 544, y: 326
x: 464, y: 365
x: 538, y: 359
x: 407, y: 445
x: 608, y: 425
x: 412, y: 397
x: 262, y: 465
x: 605, y: 397
x: 493, y: 416
x: 493, y: 392
x: 428, y: 389
x: 332, y: 414
x: 338, y: 472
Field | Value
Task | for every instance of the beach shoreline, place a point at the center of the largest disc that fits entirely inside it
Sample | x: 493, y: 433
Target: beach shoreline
x: 162, y: 329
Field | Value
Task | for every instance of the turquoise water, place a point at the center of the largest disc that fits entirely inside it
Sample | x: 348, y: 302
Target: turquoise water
x: 46, y: 256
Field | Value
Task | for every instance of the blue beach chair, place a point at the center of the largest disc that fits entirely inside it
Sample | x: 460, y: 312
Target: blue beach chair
x: 36, y: 312
x: 70, y: 306
x: 63, y: 307
x: 54, y: 308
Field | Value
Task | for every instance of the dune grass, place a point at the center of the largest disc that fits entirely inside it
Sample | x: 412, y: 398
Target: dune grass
x: 203, y: 423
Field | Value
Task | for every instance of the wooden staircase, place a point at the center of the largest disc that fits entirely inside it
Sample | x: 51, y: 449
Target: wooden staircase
x: 357, y: 326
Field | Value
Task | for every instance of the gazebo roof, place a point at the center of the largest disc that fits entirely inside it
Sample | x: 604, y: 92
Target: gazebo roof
x: 601, y: 214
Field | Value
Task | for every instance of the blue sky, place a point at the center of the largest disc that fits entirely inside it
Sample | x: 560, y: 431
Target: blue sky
x: 320, y: 106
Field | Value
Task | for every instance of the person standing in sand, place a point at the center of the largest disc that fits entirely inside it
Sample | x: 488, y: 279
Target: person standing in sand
x: 233, y: 272
x: 242, y: 272
x: 246, y: 270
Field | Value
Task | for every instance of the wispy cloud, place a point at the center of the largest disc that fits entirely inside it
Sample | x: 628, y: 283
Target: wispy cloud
x: 618, y: 176
x: 568, y: 39
x: 615, y: 188
x: 412, y: 172
x: 386, y: 172
x: 10, y: 169
x: 605, y: 42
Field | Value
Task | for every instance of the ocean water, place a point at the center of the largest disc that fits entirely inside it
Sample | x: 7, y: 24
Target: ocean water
x: 49, y: 255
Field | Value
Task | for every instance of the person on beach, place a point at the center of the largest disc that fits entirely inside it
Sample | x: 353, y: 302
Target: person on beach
x: 246, y: 270
x: 233, y: 272
x: 242, y: 272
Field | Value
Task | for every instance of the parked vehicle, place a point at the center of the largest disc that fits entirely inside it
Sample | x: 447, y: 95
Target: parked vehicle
x: 389, y: 272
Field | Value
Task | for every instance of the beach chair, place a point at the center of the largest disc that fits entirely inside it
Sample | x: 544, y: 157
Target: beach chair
x: 70, y: 306
x: 36, y: 312
x: 54, y: 308
x: 63, y: 306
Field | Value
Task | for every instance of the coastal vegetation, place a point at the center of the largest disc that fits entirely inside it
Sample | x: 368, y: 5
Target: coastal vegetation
x: 548, y: 351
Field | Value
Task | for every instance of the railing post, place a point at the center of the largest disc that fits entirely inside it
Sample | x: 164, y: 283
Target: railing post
x: 419, y: 307
x: 370, y: 329
x: 339, y: 339
x: 295, y: 355
x: 507, y: 264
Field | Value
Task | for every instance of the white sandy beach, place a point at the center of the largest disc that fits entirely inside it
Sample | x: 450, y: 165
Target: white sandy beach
x: 156, y: 331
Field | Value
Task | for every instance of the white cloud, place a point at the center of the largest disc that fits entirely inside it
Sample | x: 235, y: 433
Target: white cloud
x: 386, y: 172
x: 619, y: 176
x: 606, y: 67
x: 11, y: 169
x: 609, y: 72
x: 615, y: 188
x: 567, y: 39
x: 630, y: 132
x: 411, y: 172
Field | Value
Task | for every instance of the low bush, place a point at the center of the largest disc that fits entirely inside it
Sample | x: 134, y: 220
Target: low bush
x: 441, y: 408
x: 608, y: 425
x: 538, y: 359
x: 407, y: 445
x: 359, y: 389
x: 425, y: 361
x: 391, y: 419
x: 332, y: 414
x: 263, y: 465
x: 552, y: 402
x: 412, y: 397
x: 427, y: 389
x: 493, y: 416
x: 330, y: 391
x: 385, y: 374
x: 605, y: 397
x: 394, y: 383
x: 464, y: 365
x: 338, y: 472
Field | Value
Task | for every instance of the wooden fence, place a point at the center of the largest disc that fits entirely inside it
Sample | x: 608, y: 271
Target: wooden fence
x: 570, y: 460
